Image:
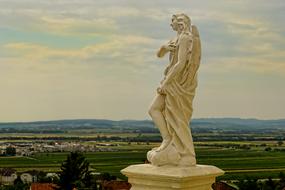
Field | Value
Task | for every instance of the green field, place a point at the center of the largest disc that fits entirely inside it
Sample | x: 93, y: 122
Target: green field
x: 236, y: 162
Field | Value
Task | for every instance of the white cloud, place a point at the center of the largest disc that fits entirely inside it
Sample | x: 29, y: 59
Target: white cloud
x: 78, y: 26
x: 113, y: 46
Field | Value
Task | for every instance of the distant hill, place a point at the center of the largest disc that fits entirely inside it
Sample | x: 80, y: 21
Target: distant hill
x: 238, y: 123
x: 235, y: 124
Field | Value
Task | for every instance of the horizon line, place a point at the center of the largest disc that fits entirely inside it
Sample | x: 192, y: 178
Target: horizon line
x: 55, y: 120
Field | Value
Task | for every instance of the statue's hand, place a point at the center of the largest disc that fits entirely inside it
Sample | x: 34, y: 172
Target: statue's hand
x: 170, y: 46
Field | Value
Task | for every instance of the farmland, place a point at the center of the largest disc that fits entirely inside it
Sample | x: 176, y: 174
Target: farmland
x: 241, y: 147
x: 237, y: 163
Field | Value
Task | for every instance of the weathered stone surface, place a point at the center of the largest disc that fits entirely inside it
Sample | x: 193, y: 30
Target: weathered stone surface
x: 150, y: 177
x: 173, y: 163
x: 171, y: 109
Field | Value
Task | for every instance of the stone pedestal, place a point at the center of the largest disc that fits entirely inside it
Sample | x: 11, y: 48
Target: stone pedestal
x: 149, y: 177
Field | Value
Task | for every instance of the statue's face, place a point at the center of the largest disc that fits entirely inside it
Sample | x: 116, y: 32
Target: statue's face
x: 174, y: 23
x: 180, y: 26
x: 180, y: 23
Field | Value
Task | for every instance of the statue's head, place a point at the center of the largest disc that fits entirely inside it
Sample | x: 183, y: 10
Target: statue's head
x: 183, y: 22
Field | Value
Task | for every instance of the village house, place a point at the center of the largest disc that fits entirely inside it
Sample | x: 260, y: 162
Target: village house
x: 7, y: 176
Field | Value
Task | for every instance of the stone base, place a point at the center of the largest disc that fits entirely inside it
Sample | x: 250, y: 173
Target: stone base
x: 149, y: 177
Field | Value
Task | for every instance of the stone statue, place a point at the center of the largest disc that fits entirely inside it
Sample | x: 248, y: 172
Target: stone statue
x: 171, y: 109
x: 173, y: 164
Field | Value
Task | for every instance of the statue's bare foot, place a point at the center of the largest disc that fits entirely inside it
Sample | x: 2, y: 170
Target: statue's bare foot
x: 163, y: 145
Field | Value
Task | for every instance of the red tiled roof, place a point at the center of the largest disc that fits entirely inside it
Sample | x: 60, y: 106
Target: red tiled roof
x: 42, y: 186
x: 116, y: 185
x: 222, y: 186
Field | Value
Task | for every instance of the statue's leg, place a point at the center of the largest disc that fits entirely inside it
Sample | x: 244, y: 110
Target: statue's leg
x: 155, y: 112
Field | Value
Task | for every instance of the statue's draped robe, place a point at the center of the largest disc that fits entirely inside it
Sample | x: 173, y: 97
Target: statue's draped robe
x: 178, y: 110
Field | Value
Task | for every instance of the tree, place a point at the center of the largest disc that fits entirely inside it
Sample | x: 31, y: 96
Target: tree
x: 75, y: 172
x: 248, y: 184
x: 282, y: 177
x: 10, y: 151
x: 281, y: 184
x: 19, y: 185
x: 269, y: 184
x: 280, y: 143
x: 107, y: 177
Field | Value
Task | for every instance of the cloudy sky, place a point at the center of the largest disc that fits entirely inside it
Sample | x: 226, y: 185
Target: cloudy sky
x: 68, y: 59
